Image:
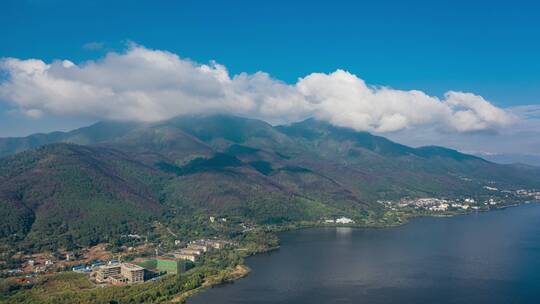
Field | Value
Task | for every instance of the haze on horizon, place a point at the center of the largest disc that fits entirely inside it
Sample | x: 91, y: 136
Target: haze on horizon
x: 65, y: 83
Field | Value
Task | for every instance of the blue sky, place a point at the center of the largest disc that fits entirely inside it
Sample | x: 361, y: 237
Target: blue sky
x: 487, y: 47
x: 490, y: 48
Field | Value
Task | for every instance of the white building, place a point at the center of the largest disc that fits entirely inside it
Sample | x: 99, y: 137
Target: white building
x: 344, y: 220
x: 441, y: 207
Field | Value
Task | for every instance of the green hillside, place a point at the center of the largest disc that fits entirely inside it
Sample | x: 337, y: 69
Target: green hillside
x: 65, y: 195
x: 129, y: 176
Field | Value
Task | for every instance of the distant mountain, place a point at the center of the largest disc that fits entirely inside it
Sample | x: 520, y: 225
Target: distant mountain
x: 99, y: 132
x: 532, y: 160
x: 128, y: 175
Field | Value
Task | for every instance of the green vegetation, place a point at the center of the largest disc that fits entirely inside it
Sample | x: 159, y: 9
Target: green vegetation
x: 214, y: 268
x: 262, y: 167
x: 97, y: 133
x: 68, y: 196
x: 218, y: 162
x: 168, y: 178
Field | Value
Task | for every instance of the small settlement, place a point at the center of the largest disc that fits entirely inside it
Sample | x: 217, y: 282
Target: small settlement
x: 104, y: 269
x: 115, y: 272
x: 441, y: 205
x: 196, y: 248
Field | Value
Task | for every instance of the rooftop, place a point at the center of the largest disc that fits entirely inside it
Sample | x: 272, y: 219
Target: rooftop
x: 106, y: 266
x: 132, y: 267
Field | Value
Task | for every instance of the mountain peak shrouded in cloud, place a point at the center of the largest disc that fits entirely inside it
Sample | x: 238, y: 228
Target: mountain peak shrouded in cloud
x: 142, y: 84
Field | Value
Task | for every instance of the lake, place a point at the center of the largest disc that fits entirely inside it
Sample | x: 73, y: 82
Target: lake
x: 491, y: 257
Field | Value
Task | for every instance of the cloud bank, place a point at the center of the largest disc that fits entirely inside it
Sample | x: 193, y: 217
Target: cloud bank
x: 150, y: 85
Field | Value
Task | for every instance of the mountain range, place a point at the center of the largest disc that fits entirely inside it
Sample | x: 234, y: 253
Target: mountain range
x: 92, y: 184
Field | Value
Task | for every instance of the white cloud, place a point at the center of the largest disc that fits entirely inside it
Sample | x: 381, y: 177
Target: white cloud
x: 149, y: 85
x: 518, y: 143
x: 474, y: 113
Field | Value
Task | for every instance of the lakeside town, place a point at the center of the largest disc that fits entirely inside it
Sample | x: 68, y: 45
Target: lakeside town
x: 142, y: 261
x: 269, y: 152
x: 104, y: 268
x: 504, y: 198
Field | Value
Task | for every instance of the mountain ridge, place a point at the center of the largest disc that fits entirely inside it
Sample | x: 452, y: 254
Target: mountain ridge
x: 93, y: 134
x: 183, y: 170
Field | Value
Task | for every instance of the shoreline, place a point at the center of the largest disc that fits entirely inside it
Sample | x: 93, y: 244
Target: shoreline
x: 232, y: 275
x: 265, y: 239
x: 182, y: 298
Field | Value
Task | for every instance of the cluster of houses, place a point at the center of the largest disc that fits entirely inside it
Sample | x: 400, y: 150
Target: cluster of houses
x: 40, y: 267
x: 431, y: 204
x: 194, y: 249
x: 532, y: 194
x: 439, y: 208
x: 523, y: 193
x: 43, y: 263
x: 340, y: 220
x: 90, y: 267
x: 116, y: 273
x: 442, y: 205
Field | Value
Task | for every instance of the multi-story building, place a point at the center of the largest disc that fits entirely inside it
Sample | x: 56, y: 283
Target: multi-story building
x: 185, y: 256
x: 191, y: 251
x: 199, y: 246
x: 118, y: 279
x: 217, y: 244
x: 133, y: 273
x: 105, y: 272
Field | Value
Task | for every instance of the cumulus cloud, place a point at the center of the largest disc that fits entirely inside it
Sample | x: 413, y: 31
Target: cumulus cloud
x: 150, y: 85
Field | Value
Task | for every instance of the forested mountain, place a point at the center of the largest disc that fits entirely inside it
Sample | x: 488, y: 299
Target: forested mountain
x: 127, y: 176
x: 99, y: 132
x: 62, y: 193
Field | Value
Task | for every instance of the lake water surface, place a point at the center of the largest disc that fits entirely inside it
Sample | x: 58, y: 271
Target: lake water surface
x: 489, y: 257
